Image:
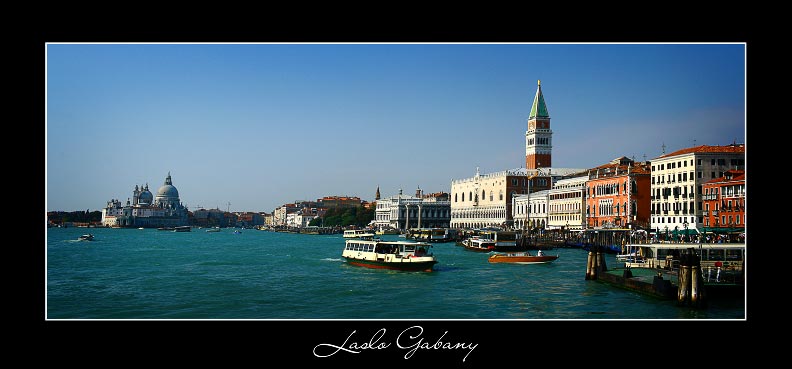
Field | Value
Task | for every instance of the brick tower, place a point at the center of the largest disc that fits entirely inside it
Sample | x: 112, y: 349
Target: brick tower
x: 538, y: 137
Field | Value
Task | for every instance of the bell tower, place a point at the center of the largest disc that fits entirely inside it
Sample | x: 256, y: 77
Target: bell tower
x: 538, y: 137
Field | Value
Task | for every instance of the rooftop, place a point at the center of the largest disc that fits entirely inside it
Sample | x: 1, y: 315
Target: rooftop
x: 728, y: 149
x: 730, y: 176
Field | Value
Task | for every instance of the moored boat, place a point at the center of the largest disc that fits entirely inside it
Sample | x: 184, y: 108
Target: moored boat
x: 181, y: 229
x: 397, y: 255
x: 475, y: 243
x: 214, y: 229
x: 522, y: 258
x: 357, y: 233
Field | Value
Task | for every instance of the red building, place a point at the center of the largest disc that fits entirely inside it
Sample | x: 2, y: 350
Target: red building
x: 724, y: 203
x: 619, y: 194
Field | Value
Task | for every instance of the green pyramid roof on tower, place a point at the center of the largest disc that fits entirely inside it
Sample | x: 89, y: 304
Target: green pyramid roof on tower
x: 538, y: 108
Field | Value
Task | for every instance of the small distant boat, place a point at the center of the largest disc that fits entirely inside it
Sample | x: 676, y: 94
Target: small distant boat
x: 141, y: 228
x: 384, y: 231
x: 522, y: 258
x: 236, y: 231
x: 165, y: 228
x: 215, y: 229
x: 87, y: 237
x: 181, y: 229
x: 357, y: 233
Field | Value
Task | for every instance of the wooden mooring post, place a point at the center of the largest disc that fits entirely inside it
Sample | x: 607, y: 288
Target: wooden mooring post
x: 595, y: 264
x: 590, y: 266
x: 690, y: 282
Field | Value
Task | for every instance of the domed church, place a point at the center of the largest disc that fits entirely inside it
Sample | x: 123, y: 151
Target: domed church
x: 146, y: 210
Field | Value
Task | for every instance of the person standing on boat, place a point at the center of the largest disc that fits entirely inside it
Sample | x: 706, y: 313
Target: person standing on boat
x: 540, y: 253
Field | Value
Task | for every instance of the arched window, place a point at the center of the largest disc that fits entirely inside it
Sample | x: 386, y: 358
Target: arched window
x: 491, y: 196
x: 455, y: 197
x: 471, y: 195
x: 463, y: 197
x: 500, y: 195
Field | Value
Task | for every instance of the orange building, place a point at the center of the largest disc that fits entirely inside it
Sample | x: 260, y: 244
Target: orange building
x: 618, y: 194
x: 340, y: 201
x: 724, y: 203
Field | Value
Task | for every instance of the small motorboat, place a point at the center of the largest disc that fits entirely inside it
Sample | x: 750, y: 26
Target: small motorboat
x: 87, y: 237
x: 181, y: 229
x: 215, y: 229
x: 522, y: 258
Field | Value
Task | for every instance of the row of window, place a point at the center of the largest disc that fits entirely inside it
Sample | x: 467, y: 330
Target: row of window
x: 480, y: 214
x: 360, y: 247
x: 736, y: 190
x: 611, y: 189
x: 682, y: 164
x: 539, y: 141
x: 663, y: 220
x: 726, y: 205
x: 724, y: 221
x: 565, y: 195
x: 534, y: 208
x: 562, y: 218
x: 425, y: 213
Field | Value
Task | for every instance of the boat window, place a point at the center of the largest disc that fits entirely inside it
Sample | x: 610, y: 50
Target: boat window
x: 716, y: 254
x: 734, y: 254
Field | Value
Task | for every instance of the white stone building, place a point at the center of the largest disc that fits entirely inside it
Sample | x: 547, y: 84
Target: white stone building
x: 677, y: 179
x: 145, y: 210
x: 566, y: 204
x: 419, y: 211
x: 530, y: 211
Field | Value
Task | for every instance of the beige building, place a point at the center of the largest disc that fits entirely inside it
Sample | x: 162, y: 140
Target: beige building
x: 485, y: 200
x: 677, y: 180
x: 566, y: 204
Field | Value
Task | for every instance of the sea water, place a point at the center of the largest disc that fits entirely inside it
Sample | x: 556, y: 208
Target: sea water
x: 151, y: 274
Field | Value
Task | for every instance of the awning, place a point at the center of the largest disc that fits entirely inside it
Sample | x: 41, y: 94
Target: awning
x: 722, y: 230
x: 686, y: 232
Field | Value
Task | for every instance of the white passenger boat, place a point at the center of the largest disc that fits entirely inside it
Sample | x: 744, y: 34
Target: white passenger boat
x: 397, y: 255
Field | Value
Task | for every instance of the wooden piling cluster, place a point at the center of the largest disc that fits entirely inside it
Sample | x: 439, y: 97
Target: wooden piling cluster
x: 690, y: 282
x: 595, y: 264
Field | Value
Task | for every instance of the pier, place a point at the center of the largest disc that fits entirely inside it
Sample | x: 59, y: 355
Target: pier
x: 688, y: 275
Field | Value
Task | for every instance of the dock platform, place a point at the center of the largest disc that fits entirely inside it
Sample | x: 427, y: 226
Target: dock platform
x: 663, y: 283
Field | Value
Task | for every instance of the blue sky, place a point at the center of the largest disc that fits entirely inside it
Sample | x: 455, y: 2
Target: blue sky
x: 259, y: 125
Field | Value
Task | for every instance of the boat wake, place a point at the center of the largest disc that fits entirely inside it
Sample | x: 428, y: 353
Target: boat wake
x: 331, y: 259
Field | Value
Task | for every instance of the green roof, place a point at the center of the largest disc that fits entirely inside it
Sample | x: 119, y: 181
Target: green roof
x: 538, y: 108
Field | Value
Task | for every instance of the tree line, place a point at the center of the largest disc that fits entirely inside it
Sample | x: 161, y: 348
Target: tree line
x: 358, y: 216
x: 79, y: 216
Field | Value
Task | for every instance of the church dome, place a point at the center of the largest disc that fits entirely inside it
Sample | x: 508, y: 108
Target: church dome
x: 146, y: 197
x: 167, y: 191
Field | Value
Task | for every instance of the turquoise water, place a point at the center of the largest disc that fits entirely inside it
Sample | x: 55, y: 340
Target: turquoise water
x: 150, y: 274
